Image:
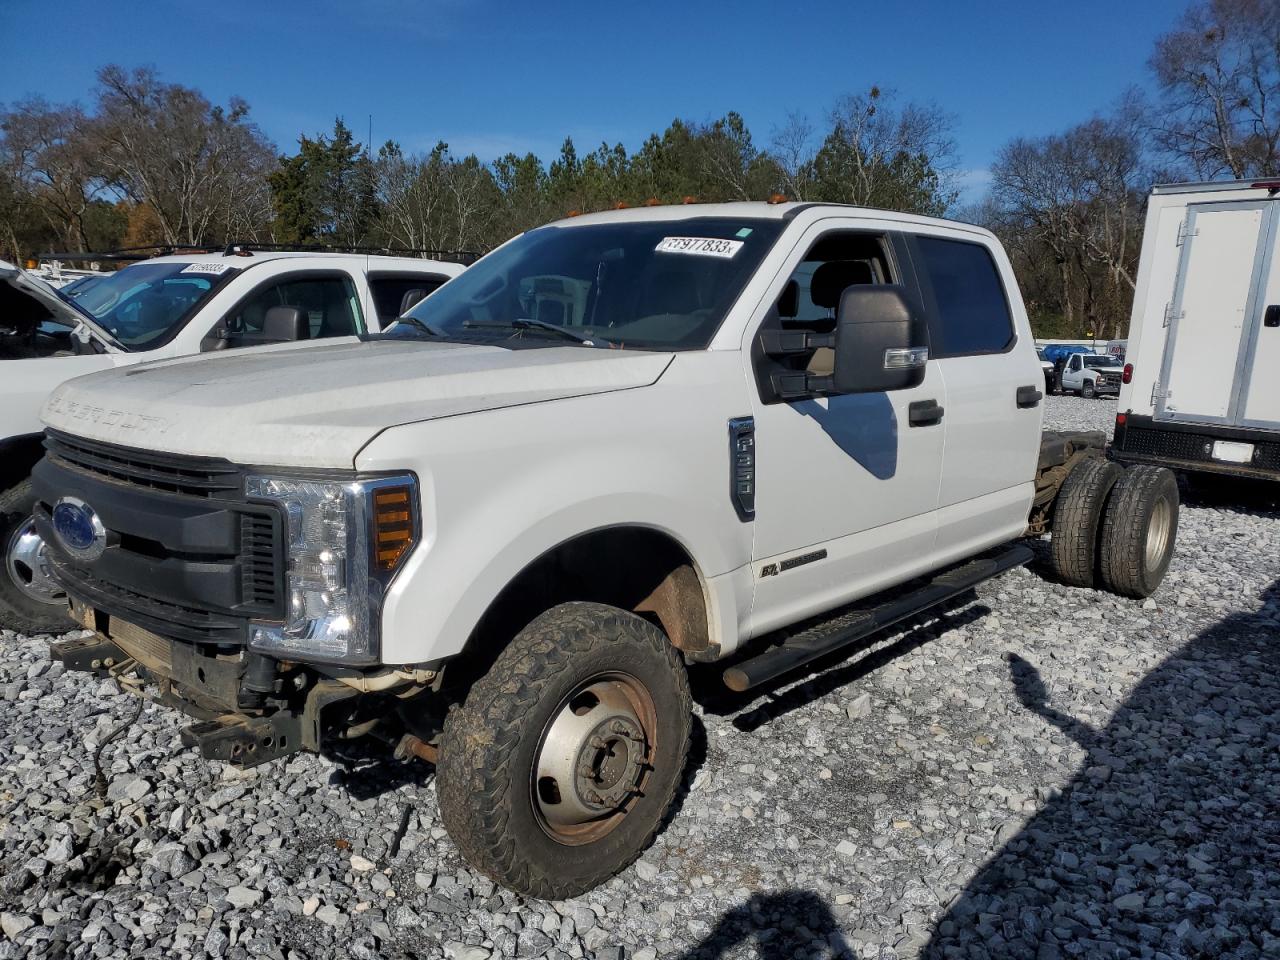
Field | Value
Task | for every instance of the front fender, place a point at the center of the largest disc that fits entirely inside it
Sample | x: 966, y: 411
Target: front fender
x: 501, y: 488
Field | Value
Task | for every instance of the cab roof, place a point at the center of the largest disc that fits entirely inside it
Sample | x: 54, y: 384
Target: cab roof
x: 760, y: 210
x: 371, y: 261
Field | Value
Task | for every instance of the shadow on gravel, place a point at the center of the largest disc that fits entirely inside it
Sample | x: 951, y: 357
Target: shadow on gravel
x: 830, y: 672
x: 1259, y: 498
x: 1167, y: 842
x: 775, y: 926
x: 368, y: 769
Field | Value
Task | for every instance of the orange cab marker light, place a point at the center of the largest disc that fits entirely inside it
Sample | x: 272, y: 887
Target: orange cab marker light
x: 653, y: 202
x: 777, y: 198
x: 689, y: 200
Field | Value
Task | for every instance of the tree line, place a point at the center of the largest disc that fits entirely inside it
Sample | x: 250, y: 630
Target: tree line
x: 155, y: 162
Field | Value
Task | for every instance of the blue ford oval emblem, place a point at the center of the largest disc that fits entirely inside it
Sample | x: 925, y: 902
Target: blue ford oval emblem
x: 79, y: 528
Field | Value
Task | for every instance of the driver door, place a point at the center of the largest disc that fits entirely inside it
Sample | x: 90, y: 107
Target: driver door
x: 846, y: 487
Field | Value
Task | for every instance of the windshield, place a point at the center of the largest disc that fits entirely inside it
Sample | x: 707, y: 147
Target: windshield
x: 660, y: 285
x: 1099, y: 362
x: 143, y: 304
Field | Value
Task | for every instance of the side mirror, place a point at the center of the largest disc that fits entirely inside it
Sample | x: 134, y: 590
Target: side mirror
x: 282, y: 324
x: 881, y: 340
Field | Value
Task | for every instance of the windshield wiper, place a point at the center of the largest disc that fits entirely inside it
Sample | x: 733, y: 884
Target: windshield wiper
x: 525, y: 323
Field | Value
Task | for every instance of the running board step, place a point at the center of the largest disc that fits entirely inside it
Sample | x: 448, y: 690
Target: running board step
x: 822, y: 638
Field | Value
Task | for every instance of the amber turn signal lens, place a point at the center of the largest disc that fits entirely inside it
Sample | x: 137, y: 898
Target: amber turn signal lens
x: 392, y: 526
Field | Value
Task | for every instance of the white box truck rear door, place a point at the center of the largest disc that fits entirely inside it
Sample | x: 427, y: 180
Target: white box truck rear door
x: 1214, y: 311
x: 1260, y: 387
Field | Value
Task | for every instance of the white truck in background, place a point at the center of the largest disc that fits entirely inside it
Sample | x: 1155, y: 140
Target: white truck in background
x: 1201, y: 392
x: 155, y: 309
x: 1091, y: 375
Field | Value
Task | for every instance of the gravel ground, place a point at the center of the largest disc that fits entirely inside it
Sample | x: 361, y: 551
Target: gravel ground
x: 1041, y: 772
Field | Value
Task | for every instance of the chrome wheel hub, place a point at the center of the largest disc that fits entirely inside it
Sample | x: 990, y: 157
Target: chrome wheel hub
x: 26, y: 560
x: 593, y: 759
x: 1158, y: 532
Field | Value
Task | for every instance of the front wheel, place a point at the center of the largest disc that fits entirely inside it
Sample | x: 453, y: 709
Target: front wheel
x: 1088, y: 391
x: 563, y: 761
x: 31, y: 601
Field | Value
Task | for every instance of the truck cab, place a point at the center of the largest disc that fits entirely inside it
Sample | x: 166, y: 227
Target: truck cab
x: 619, y: 444
x: 160, y: 308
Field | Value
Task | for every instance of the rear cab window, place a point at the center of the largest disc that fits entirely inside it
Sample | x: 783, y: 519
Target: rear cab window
x: 394, y: 294
x: 969, y: 311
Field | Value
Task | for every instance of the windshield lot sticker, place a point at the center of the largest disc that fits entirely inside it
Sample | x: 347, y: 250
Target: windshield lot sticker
x: 214, y: 268
x: 700, y: 246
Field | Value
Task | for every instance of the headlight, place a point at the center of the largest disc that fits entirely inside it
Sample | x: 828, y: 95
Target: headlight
x: 345, y: 541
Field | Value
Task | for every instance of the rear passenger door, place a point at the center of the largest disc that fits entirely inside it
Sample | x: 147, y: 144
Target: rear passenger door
x: 981, y: 341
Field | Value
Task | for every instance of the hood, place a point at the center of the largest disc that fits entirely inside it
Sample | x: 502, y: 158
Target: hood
x: 317, y: 406
x: 48, y: 298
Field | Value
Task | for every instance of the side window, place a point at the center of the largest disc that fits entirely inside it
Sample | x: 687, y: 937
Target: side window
x: 836, y: 261
x: 1075, y: 363
x: 970, y: 313
x: 328, y: 300
x: 389, y: 291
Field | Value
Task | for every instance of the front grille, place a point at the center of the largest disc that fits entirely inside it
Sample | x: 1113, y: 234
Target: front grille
x: 163, y: 618
x: 173, y: 473
x: 259, y: 560
x: 191, y: 559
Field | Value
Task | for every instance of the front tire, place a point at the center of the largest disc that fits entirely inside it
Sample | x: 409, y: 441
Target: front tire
x: 1088, y: 391
x: 1139, y: 530
x: 559, y: 767
x: 30, y: 600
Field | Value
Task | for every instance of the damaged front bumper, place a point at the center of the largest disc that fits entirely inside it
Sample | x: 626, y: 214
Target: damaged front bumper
x: 242, y: 717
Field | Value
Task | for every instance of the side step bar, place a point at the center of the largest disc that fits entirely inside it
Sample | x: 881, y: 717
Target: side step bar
x: 850, y: 627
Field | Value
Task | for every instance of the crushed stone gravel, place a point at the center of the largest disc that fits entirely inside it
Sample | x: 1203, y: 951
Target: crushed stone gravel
x: 1040, y: 772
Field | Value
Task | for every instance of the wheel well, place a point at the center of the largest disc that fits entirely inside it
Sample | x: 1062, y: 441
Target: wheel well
x: 632, y: 568
x: 17, y: 456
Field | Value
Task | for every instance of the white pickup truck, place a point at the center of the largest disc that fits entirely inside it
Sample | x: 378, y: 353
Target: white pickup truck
x: 620, y: 443
x: 163, y: 307
x: 1092, y: 375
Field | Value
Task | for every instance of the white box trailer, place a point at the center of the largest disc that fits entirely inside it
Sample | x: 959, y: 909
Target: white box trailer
x: 1201, y: 390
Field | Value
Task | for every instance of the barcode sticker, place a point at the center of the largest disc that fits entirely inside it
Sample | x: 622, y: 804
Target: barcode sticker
x: 700, y: 246
x: 214, y: 268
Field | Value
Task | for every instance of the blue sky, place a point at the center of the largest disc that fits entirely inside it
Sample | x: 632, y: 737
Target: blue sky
x: 491, y: 77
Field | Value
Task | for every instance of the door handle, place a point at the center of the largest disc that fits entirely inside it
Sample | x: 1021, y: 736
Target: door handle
x: 1272, y: 317
x: 1028, y: 397
x: 924, y: 413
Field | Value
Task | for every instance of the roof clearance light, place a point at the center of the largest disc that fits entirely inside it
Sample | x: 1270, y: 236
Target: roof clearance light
x: 653, y: 202
x: 777, y: 198
x: 574, y: 213
x: 689, y: 200
x: 621, y: 205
